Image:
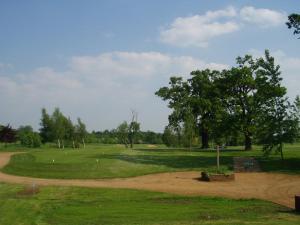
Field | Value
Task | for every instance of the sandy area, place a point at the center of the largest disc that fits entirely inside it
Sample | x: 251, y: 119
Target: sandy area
x: 278, y: 188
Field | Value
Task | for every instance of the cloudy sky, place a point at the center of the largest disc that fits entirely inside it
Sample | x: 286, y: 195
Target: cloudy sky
x: 99, y: 59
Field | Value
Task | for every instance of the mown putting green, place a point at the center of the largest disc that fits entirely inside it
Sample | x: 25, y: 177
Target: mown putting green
x: 86, y: 206
x: 109, y: 161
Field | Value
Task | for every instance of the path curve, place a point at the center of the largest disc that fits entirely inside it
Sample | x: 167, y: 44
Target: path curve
x: 278, y: 188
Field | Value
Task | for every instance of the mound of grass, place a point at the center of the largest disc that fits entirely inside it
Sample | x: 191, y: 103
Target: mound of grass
x: 84, y: 206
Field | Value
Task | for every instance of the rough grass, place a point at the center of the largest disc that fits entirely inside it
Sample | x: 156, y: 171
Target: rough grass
x: 109, y: 161
x: 85, y: 206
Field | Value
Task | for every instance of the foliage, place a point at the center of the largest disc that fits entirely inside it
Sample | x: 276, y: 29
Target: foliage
x: 170, y: 137
x: 294, y: 23
x: 123, y: 132
x: 8, y: 134
x: 133, y: 129
x: 58, y: 128
x: 279, y: 124
x: 28, y: 137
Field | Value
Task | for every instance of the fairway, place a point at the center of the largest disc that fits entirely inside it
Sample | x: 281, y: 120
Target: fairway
x: 115, y: 161
x: 275, y: 187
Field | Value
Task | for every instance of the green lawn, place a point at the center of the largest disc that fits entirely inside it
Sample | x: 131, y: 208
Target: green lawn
x: 108, y: 161
x: 76, y: 206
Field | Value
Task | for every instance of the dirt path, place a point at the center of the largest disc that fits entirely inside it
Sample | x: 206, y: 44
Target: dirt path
x: 278, y: 188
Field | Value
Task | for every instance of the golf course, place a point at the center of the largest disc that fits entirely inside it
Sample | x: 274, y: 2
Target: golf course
x: 109, y: 184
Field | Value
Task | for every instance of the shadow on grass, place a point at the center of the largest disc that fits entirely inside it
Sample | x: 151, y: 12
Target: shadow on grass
x: 272, y: 164
x: 175, y: 161
x: 184, y: 150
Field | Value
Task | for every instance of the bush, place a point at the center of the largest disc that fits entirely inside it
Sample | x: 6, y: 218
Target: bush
x: 30, y: 139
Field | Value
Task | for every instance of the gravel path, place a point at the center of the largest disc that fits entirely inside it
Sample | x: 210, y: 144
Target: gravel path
x: 278, y: 188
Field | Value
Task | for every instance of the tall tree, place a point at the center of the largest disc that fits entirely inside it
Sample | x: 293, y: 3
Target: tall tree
x: 134, y: 128
x: 59, y: 130
x: 247, y: 88
x: 199, y: 94
x: 294, y: 23
x: 278, y: 124
x: 189, y: 128
x: 46, y: 130
x: 122, y: 133
x: 204, y: 101
x: 81, y: 131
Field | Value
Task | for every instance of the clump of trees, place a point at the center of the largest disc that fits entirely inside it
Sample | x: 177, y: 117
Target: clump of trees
x: 60, y: 129
x: 128, y: 132
x: 246, y: 100
x: 8, y: 134
x: 28, y: 137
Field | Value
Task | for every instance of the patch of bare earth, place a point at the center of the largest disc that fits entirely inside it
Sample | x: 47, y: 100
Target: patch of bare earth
x: 278, y: 188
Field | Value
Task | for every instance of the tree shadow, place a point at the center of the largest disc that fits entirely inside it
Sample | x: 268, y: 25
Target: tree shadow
x: 289, y: 165
x: 186, y: 150
x: 173, y: 161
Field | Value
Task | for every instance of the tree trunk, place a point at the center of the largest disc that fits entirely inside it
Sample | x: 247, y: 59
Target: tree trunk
x: 248, y: 142
x: 83, y: 142
x: 281, y: 153
x: 73, y: 143
x: 204, y: 137
x: 63, y: 144
x: 58, y: 143
x: 218, y: 157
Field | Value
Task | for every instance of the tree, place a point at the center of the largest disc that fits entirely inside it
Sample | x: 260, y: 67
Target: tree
x: 122, y: 133
x: 69, y: 131
x: 294, y: 23
x: 247, y: 88
x: 58, y: 130
x: 189, y: 128
x: 81, y: 131
x: 28, y: 137
x: 278, y: 124
x: 133, y: 128
x: 169, y: 137
x: 204, y: 101
x: 8, y: 134
x: 46, y: 130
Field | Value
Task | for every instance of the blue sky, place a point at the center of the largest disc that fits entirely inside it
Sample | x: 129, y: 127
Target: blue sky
x: 100, y: 59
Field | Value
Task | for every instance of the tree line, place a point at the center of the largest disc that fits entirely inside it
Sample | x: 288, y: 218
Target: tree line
x: 247, y: 100
x: 59, y: 129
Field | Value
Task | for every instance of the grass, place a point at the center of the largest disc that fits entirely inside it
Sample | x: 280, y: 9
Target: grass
x: 86, y: 206
x: 109, y: 161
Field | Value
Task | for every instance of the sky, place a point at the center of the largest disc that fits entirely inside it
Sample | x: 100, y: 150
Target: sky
x: 98, y: 60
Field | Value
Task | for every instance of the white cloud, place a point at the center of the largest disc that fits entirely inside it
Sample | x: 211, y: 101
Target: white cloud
x: 5, y: 66
x: 263, y: 17
x: 101, y: 89
x: 198, y: 30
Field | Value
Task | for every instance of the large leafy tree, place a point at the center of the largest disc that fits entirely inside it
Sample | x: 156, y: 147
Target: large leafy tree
x: 204, y: 101
x: 245, y: 89
x: 199, y: 96
x: 294, y: 23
